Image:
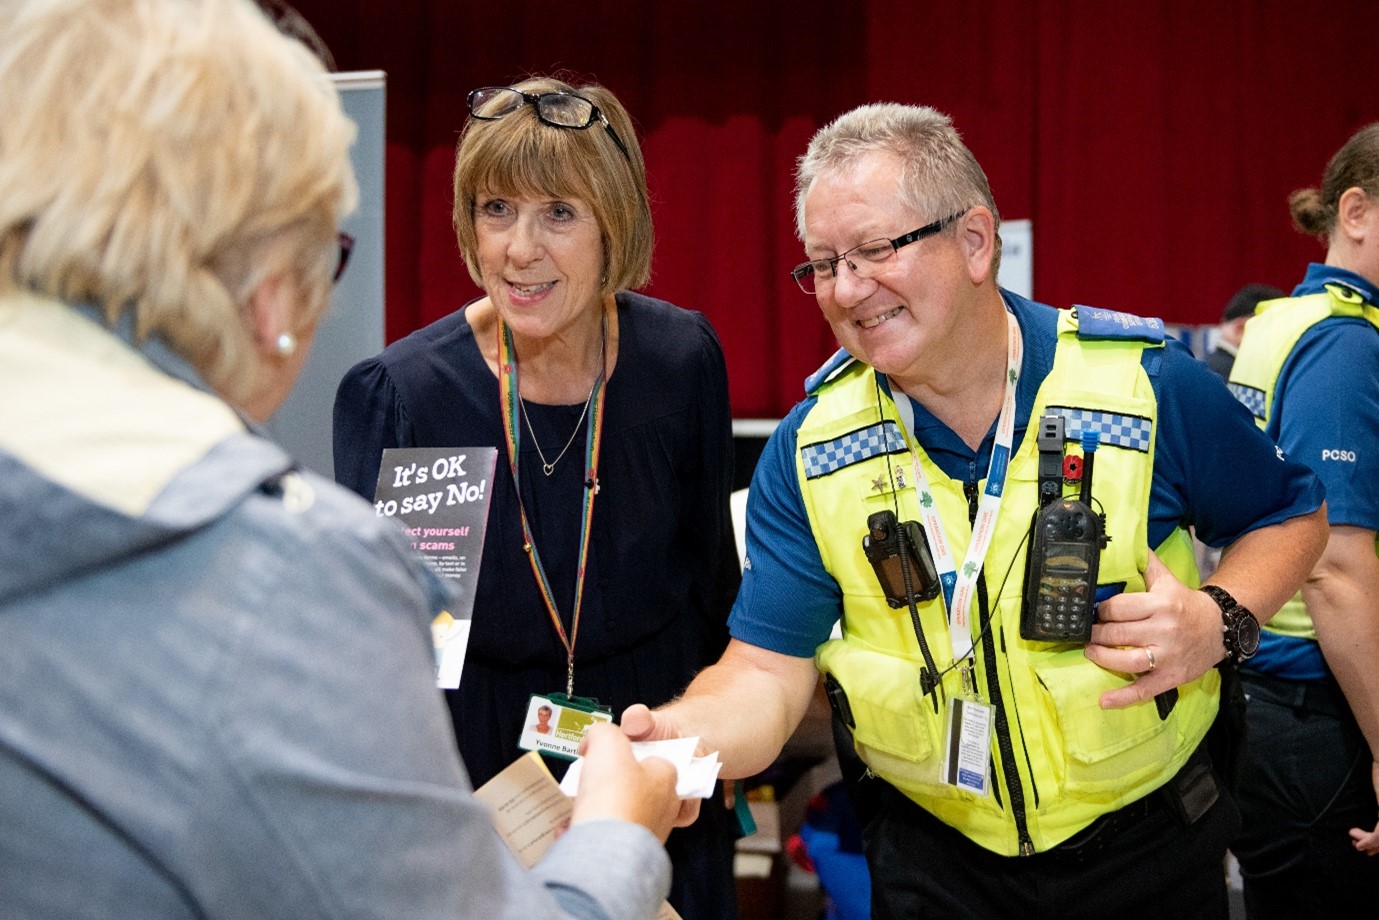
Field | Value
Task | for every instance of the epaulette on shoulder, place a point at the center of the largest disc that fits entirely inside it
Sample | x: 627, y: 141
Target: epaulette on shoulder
x: 1346, y: 292
x: 1096, y: 324
x: 831, y: 368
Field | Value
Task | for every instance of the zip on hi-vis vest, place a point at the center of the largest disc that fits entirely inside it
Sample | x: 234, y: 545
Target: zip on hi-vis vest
x: 1004, y: 740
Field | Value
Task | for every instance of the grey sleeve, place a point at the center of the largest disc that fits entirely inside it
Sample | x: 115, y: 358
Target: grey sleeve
x: 629, y: 866
x: 335, y: 778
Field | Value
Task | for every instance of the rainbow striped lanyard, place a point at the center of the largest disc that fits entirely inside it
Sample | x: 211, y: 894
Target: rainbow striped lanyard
x: 509, y: 394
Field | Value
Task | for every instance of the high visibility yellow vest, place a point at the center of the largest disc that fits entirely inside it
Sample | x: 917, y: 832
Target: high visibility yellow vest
x: 1270, y: 337
x: 1063, y: 760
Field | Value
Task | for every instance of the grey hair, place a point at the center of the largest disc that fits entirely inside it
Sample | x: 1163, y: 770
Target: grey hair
x: 939, y: 176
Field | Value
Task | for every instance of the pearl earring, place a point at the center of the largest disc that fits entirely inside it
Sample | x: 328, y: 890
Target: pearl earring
x: 286, y: 345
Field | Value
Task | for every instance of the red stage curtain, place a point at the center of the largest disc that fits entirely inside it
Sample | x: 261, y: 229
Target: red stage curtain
x: 1152, y: 144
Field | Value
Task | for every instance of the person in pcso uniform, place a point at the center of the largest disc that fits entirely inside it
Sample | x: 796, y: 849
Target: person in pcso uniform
x: 1004, y: 775
x: 1308, y: 369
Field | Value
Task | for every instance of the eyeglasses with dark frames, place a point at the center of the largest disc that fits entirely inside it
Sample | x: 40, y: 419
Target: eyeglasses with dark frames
x: 346, y: 247
x: 559, y: 110
x: 812, y: 275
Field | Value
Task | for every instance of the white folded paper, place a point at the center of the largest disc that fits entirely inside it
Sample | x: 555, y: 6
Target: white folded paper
x: 694, y: 776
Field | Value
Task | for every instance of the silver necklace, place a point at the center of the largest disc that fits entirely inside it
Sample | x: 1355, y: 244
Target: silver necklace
x: 549, y: 468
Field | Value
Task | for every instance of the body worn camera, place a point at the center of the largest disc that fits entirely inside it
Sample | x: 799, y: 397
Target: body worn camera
x: 1066, y: 539
x: 899, y: 552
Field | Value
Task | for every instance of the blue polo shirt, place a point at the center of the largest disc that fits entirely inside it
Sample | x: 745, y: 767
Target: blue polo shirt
x: 1326, y: 415
x: 1213, y: 469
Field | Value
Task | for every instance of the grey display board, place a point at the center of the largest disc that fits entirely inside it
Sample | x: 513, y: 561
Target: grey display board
x: 353, y: 327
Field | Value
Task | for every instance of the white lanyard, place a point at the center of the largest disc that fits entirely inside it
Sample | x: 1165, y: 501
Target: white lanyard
x: 958, y: 584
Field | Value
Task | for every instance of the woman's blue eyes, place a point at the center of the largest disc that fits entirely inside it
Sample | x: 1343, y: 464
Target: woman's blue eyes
x: 558, y: 213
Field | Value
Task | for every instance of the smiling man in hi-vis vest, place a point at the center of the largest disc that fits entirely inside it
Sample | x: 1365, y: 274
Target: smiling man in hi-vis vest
x: 991, y: 498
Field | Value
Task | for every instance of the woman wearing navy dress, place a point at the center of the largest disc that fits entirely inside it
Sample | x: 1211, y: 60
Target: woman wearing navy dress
x: 608, y: 565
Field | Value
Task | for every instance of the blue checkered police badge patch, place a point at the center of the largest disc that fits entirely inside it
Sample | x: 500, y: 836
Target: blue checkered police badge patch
x: 830, y: 456
x: 1252, y: 398
x: 1129, y: 431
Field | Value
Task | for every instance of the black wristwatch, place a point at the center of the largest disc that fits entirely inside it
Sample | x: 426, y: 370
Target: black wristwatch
x: 1239, y: 625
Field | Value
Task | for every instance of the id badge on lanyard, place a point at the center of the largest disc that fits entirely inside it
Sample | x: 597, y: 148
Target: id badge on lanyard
x: 556, y: 723
x: 967, y: 739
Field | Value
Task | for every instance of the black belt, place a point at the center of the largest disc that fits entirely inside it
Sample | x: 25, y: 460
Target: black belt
x: 1096, y: 836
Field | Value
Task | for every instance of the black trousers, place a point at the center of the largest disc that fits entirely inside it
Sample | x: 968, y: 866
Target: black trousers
x: 1142, y: 863
x: 1307, y: 782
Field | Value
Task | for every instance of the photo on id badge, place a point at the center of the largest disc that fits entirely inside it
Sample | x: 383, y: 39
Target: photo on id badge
x: 556, y: 729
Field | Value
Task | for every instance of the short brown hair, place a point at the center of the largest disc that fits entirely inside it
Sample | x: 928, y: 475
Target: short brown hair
x: 519, y: 155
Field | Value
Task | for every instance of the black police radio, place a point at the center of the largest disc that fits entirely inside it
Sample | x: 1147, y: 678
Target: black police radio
x: 1066, y: 540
